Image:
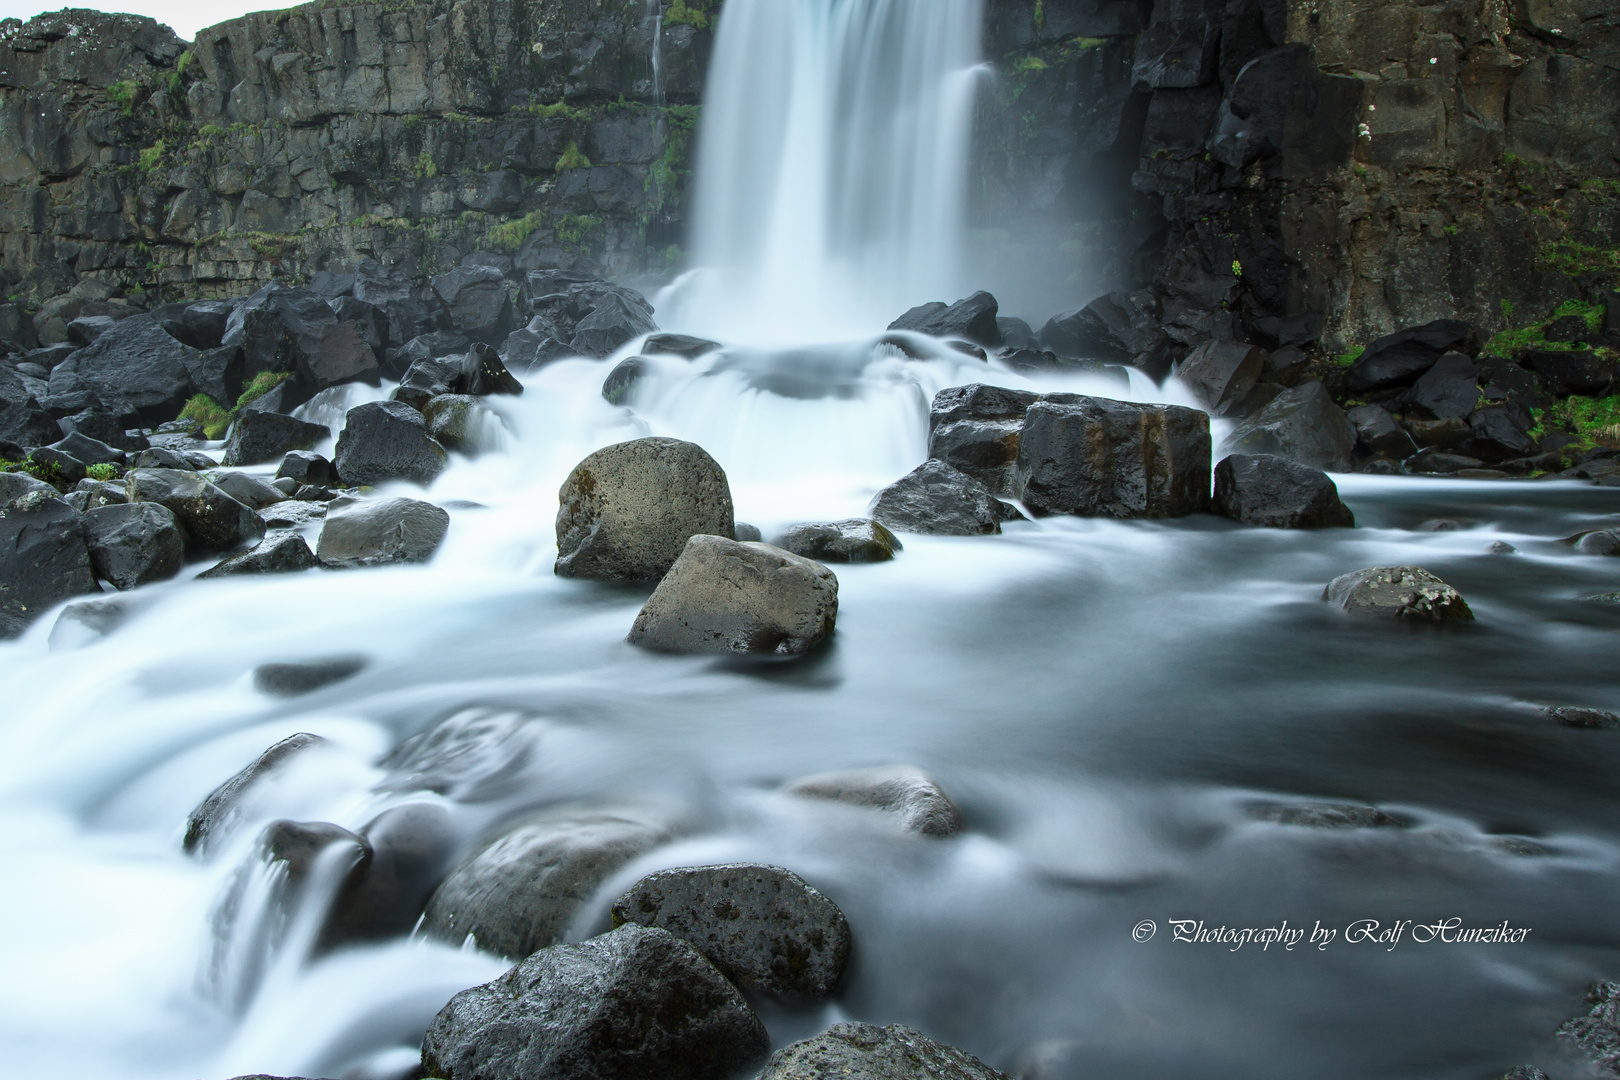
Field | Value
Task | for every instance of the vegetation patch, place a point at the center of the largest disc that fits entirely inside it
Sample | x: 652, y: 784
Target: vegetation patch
x: 210, y: 414
x: 1513, y: 341
x: 104, y: 471
x: 261, y: 384
x: 572, y: 159
x: 689, y: 14
x: 122, y: 94
x: 510, y: 237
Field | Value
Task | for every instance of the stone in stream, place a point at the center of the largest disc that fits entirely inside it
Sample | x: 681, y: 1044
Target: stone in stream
x: 622, y: 380
x: 1098, y: 457
x: 907, y: 792
x: 1262, y: 489
x: 307, y: 468
x: 936, y: 498
x: 134, y: 368
x: 1524, y: 1072
x: 1379, y: 433
x: 475, y: 755
x: 426, y: 379
x: 134, y: 543
x: 627, y: 511
x: 1324, y: 815
x: 1221, y: 373
x: 521, y: 891
x: 764, y: 927
x: 1400, y: 592
x: 722, y: 596
x: 213, y: 520
x: 1596, y: 1035
x: 869, y: 1052
x: 1578, y: 716
x: 384, y: 531
x: 216, y: 813
x: 248, y: 490
x: 973, y: 319
x: 853, y: 540
x: 975, y: 428
x: 456, y: 421
x: 483, y: 373
x: 43, y: 558
x: 299, y: 844
x: 304, y: 677
x: 264, y: 436
x: 285, y: 554
x: 632, y: 1004
x: 1302, y: 424
x: 682, y: 345
x: 410, y: 849
x: 616, y: 319
x: 387, y: 440
x: 90, y: 494
x: 1449, y: 389
x: 1599, y: 542
x: 477, y: 300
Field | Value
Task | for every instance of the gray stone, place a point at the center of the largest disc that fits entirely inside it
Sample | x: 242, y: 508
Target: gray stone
x: 215, y: 815
x: 62, y: 468
x: 973, y: 319
x: 853, y: 540
x: 1596, y: 1034
x: 306, y: 467
x: 764, y: 927
x: 217, y: 373
x: 722, y: 596
x: 612, y: 323
x: 1262, y: 489
x: 134, y: 543
x: 14, y: 485
x: 634, y: 1003
x: 248, y: 490
x: 43, y: 558
x: 477, y: 300
x: 1449, y: 389
x: 1399, y: 358
x: 1401, y: 592
x: 213, y: 520
x: 869, y: 1052
x: 683, y: 345
x: 936, y: 498
x: 257, y: 437
x: 1094, y: 456
x: 1599, y: 542
x: 484, y: 373
x: 135, y: 369
x: 372, y: 533
x: 1324, y: 815
x: 1220, y: 373
x: 304, y: 677
x: 23, y: 420
x: 1379, y: 433
x: 382, y: 897
x: 457, y: 422
x: 1579, y: 717
x: 285, y: 554
x: 976, y: 428
x: 98, y: 493
x: 905, y: 791
x: 83, y: 448
x: 387, y: 440
x: 1302, y: 424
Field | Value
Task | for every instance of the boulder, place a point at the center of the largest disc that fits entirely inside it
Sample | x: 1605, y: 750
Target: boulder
x: 764, y: 927
x: 1432, y: 461
x: 973, y: 319
x: 1302, y: 424
x: 621, y: 382
x: 14, y: 485
x: 682, y: 345
x: 97, y: 493
x: 936, y: 498
x: 1501, y: 433
x: 1118, y: 327
x: 102, y: 426
x: 306, y: 467
x: 82, y: 448
x: 1379, y: 433
x: 1595, y: 1035
x: 285, y: 554
x: 613, y: 322
x: 853, y: 540
x: 373, y: 533
x: 294, y: 679
x: 426, y: 379
x: 264, y: 436
x: 369, y: 321
x: 22, y: 419
x: 86, y: 328
x: 1095, y: 456
x: 1221, y: 373
x: 1599, y: 542
x: 218, y: 373
x: 1446, y: 434
x: 477, y: 301
x: 869, y: 1052
x: 521, y: 891
x: 61, y: 468
x: 205, y: 322
x: 722, y: 596
x: 483, y: 373
x: 1262, y: 489
x: 287, y: 329
x: 387, y: 440
x: 1399, y: 358
x: 43, y: 558
x: 161, y: 457
x: 975, y: 429
x: 1577, y: 717
x: 905, y: 791
x: 213, y: 520
x: 248, y: 490
x: 628, y: 510
x: 135, y: 369
x: 536, y: 345
x: 1401, y: 592
x: 411, y: 848
x: 215, y: 815
x: 1449, y: 388
x: 1571, y: 371
x: 634, y: 1003
x: 134, y: 543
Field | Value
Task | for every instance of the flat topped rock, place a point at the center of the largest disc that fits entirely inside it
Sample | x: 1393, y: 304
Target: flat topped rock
x: 1271, y: 491
x: 853, y: 540
x: 903, y: 790
x: 1401, y: 592
x: 216, y: 812
x: 869, y: 1052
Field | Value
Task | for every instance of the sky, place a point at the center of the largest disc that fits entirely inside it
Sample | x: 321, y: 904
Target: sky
x: 186, y: 17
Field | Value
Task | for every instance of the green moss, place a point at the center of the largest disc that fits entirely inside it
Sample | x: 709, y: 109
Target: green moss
x: 122, y: 94
x: 1089, y: 43
x: 577, y: 228
x: 151, y: 156
x: 261, y: 384
x: 557, y: 111
x: 572, y: 159
x: 425, y: 168
x: 1029, y: 63
x: 510, y: 237
x: 691, y: 14
x: 1345, y: 359
x: 105, y: 471
x: 1512, y: 341
x: 1040, y: 14
x: 210, y: 414
x: 1577, y: 259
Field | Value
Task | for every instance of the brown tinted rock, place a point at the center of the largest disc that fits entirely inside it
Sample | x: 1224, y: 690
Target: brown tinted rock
x: 903, y: 790
x: 1096, y: 456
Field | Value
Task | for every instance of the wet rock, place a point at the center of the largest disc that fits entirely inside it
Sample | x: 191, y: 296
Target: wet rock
x: 217, y: 373
x: 973, y: 319
x: 975, y: 429
x: 1578, y: 717
x: 95, y: 493
x: 215, y: 815
x: 1324, y: 815
x: 61, y: 468
x: 23, y: 420
x: 1571, y: 371
x: 293, y: 679
x: 853, y: 540
x: 455, y: 421
x: 1434, y: 462
x: 747, y: 532
x: 103, y: 427
x: 1262, y: 489
x: 368, y: 320
x: 387, y: 440
x: 1401, y: 592
x: 264, y: 436
x: 1449, y: 389
x: 600, y: 1010
x: 163, y: 457
x: 134, y: 544
x: 477, y: 300
x: 1501, y: 433
x: 621, y: 382
x: 764, y: 927
x: 248, y: 490
x: 411, y: 848
x: 1379, y: 433
x: 936, y: 498
x: 277, y: 555
x: 83, y: 448
x: 905, y: 791
x: 614, y: 321
x: 875, y: 1053
x: 385, y: 531
x: 682, y: 345
x: 213, y: 520
x: 295, y: 330
x: 205, y: 322
x: 536, y: 345
x: 1221, y: 373
x: 474, y: 755
x: 14, y: 485
x: 1599, y: 542
x: 628, y: 510
x: 722, y: 596
x: 306, y: 467
x: 43, y: 558
x: 521, y: 891
x: 1596, y: 1035
x: 1302, y: 424
x: 425, y: 380
x: 483, y: 373
x: 135, y: 369
x: 299, y: 844
x: 1399, y: 358
x: 1094, y: 456
x: 1118, y: 327
x: 86, y: 328
x: 1524, y: 1072
x: 1501, y: 547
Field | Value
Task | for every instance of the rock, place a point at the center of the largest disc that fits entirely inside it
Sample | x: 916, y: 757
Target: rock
x: 1262, y: 489
x: 936, y: 498
x: 287, y: 329
x: 869, y: 1052
x: 634, y: 1003
x: 764, y: 927
x: 1524, y: 1072
x: 682, y: 345
x: 1571, y: 371
x: 369, y: 321
x: 82, y: 448
x: 621, y: 382
x: 905, y: 791
x: 294, y: 679
x: 385, y: 531
x: 425, y: 380
x: 1449, y: 388
x: 63, y: 469
x: 285, y: 484
x: 536, y: 345
x: 264, y: 436
x: 387, y: 440
x: 975, y: 429
x: 1397, y: 359
x: 43, y: 558
x: 14, y: 485
x: 1577, y: 717
x: 1401, y: 592
x: 1379, y: 433
x: 214, y: 816
x: 1432, y: 461
x: 285, y: 554
x: 1221, y: 373
x: 1302, y: 424
x: 97, y: 493
x: 135, y: 369
x: 299, y: 844
x: 1501, y: 547
x: 628, y: 510
x: 217, y: 373
x: 853, y: 540
x: 100, y: 425
x: 306, y: 467
x: 456, y: 422
x: 478, y: 303
x: 1324, y: 815
x: 1599, y: 542
x: 1117, y: 327
x: 1501, y: 433
x: 161, y: 457
x: 973, y: 319
x: 134, y: 544
x: 722, y: 596
x: 746, y: 532
x: 205, y: 322
x: 612, y: 323
x: 1596, y: 1035
x: 213, y: 520
x: 248, y: 490
x: 22, y: 419
x: 86, y: 328
x: 483, y: 373
x: 411, y: 847
x: 1085, y: 455
x: 1016, y: 334
x: 1445, y: 434
x: 521, y: 891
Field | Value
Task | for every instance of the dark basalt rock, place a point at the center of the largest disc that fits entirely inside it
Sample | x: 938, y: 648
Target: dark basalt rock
x: 82, y: 448
x: 1449, y: 389
x: 477, y: 301
x: 936, y: 498
x: 905, y: 791
x: 683, y: 345
x: 975, y: 428
x: 384, y: 531
x: 135, y: 369
x: 63, y: 468
x: 1401, y: 592
x: 1596, y: 1035
x: 368, y: 320
x: 248, y: 490
x: 1324, y: 815
x: 285, y: 554
x: 1379, y: 433
x: 1117, y: 327
x: 264, y: 436
x: 1094, y: 456
x: 411, y: 847
x: 870, y: 1052
x: 1221, y: 373
x: 217, y: 373
x: 973, y: 319
x: 1399, y: 358
x: 213, y: 520
x: 484, y: 373
x: 1262, y: 489
x: 621, y: 382
x: 23, y: 420
x: 453, y: 421
x: 134, y: 544
x: 90, y: 494
x: 287, y: 329
x: 214, y: 816
x: 43, y: 558
x: 1570, y: 371
x: 1501, y: 433
x: 536, y: 345
x: 614, y: 321
x: 205, y: 322
x: 387, y: 440
x: 1578, y: 717
x: 1302, y: 424
x: 307, y: 468
x: 426, y: 379
x: 1282, y: 107
x: 293, y: 679
x: 853, y: 540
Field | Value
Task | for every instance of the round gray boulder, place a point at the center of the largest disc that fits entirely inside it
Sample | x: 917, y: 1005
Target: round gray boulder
x: 937, y: 498
x: 387, y: 440
x: 385, y: 531
x: 902, y: 790
x: 869, y: 1052
x: 1401, y: 592
x: 1267, y: 490
x: 132, y: 544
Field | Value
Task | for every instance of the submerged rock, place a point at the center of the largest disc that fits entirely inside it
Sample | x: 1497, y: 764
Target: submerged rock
x: 293, y: 679
x: 853, y: 540
x: 134, y: 544
x: 385, y: 531
x: 1402, y: 592
x: 907, y: 792
x: 869, y: 1052
x: 764, y: 927
x: 1263, y: 489
x: 215, y: 814
x: 410, y: 848
x: 1324, y: 815
x: 1596, y: 1035
x: 936, y: 498
x: 1577, y: 716
x: 1095, y: 456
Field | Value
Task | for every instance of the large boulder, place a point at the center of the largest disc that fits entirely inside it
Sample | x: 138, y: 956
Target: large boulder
x: 869, y: 1052
x: 134, y: 543
x: 1263, y: 489
x: 722, y: 596
x: 477, y: 301
x: 853, y: 540
x: 614, y: 322
x: 23, y: 420
x: 632, y: 1004
x: 764, y: 927
x: 1095, y: 456
x: 1571, y: 371
x: 426, y: 379
x: 1220, y: 373
x: 411, y: 847
x: 1399, y: 358
x: 1302, y: 424
x: 248, y: 490
x: 459, y: 422
x: 287, y: 553
x: 683, y: 345
x: 213, y: 520
x: 306, y: 467
x: 1400, y: 592
x: 43, y: 558
x: 482, y: 372
x: 1449, y: 389
x: 1380, y: 433
x: 205, y: 322
x: 372, y: 533
x: 936, y: 498
x: 214, y: 816
x: 289, y: 329
x: 264, y: 436
x: 594, y: 316
x: 975, y: 428
x: 135, y: 369
x: 387, y: 440
x: 911, y: 795
x: 972, y: 319
x: 627, y: 511
x: 83, y: 448
x: 521, y: 891
x: 1117, y: 327
x: 536, y: 345
x: 217, y: 373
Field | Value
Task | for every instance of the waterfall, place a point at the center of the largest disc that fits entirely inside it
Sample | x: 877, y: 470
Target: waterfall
x: 832, y: 166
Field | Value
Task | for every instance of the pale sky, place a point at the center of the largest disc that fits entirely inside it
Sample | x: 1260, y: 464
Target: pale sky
x: 185, y: 17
